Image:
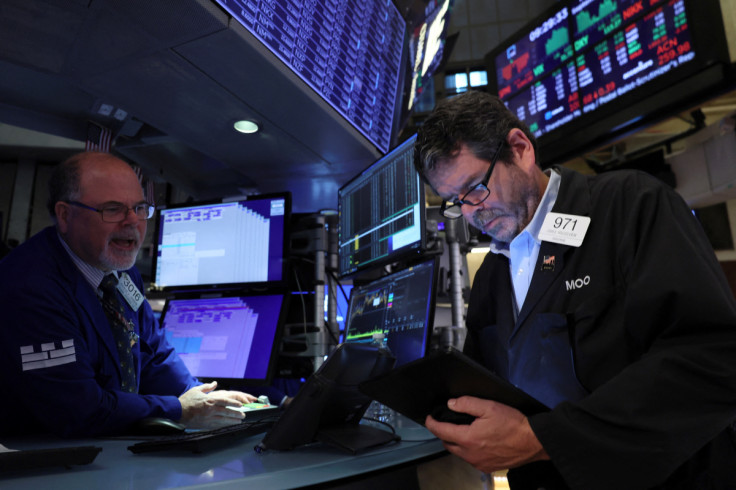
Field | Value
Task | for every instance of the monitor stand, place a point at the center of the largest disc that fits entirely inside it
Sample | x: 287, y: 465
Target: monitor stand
x: 355, y: 437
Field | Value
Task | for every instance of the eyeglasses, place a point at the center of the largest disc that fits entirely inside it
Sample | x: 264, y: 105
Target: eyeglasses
x: 474, y: 197
x: 115, y: 213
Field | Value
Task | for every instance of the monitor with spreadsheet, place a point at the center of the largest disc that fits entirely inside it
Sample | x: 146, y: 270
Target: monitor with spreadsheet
x: 231, y: 339
x: 400, y: 306
x: 216, y: 245
x: 381, y: 213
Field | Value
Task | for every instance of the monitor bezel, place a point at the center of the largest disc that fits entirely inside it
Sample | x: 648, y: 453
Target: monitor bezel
x: 429, y: 327
x: 240, y: 286
x: 403, y: 253
x: 275, y: 348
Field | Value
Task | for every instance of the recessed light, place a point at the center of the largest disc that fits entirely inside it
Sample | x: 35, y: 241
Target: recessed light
x: 246, y: 126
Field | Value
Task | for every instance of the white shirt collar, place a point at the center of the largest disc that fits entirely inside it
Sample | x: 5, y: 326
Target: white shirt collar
x: 535, y: 225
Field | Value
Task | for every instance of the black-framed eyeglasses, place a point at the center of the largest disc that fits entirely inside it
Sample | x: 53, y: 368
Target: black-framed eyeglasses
x: 474, y: 197
x: 115, y: 213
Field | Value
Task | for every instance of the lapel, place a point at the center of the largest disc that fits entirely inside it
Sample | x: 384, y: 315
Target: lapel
x: 573, y: 198
x: 86, y: 297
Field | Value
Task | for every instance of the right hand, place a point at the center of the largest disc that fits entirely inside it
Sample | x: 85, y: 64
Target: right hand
x: 204, y: 408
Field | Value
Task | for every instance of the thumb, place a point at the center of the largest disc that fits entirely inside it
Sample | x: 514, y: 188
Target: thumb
x: 469, y: 404
x: 207, y: 387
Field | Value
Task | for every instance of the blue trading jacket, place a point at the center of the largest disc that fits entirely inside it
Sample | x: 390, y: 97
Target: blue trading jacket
x: 59, y: 367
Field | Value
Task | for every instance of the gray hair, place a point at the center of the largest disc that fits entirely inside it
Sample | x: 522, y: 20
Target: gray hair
x: 476, y: 119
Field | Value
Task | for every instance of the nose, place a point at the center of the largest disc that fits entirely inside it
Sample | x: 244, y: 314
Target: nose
x: 131, y: 217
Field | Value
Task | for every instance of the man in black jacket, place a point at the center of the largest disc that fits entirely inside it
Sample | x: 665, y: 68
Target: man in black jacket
x: 602, y: 298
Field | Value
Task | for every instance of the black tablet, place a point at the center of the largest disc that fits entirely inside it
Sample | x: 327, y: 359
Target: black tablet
x: 423, y: 386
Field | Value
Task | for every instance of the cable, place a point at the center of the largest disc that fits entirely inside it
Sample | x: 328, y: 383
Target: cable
x: 304, y: 304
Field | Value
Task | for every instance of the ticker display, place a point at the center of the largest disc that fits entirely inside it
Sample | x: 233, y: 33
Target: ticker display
x: 348, y: 52
x: 543, y: 49
x: 588, y: 54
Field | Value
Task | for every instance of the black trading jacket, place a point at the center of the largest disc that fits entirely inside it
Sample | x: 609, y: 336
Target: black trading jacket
x: 635, y: 329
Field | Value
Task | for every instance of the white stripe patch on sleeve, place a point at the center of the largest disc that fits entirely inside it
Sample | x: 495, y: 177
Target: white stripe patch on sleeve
x: 47, y: 355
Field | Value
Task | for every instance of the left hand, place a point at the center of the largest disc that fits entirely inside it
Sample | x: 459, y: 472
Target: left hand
x: 500, y: 437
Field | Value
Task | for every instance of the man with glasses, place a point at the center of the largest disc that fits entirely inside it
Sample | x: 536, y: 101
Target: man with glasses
x: 602, y: 298
x: 62, y: 362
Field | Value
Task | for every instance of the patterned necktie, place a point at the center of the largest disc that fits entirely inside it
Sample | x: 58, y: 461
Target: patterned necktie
x: 122, y: 329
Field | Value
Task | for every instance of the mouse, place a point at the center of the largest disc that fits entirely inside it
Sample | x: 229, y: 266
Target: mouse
x: 158, y: 426
x: 443, y: 414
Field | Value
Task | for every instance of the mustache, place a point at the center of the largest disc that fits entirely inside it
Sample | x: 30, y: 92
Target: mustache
x: 132, y: 234
x: 484, y: 216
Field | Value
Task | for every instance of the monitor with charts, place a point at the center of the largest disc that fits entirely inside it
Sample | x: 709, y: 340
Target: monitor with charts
x: 400, y: 306
x: 231, y: 339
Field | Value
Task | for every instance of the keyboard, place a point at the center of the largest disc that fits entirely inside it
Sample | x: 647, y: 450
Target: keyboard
x: 203, y: 441
x: 31, y: 459
x: 256, y: 411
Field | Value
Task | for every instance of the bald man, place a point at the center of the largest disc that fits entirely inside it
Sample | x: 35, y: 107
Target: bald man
x: 63, y: 367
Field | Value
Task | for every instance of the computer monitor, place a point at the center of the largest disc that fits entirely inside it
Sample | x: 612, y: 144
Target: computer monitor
x: 231, y: 339
x: 329, y: 406
x: 381, y: 212
x: 222, y: 244
x: 400, y: 306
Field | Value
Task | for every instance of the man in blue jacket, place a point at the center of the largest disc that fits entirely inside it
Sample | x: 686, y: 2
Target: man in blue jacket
x: 602, y: 298
x: 60, y: 365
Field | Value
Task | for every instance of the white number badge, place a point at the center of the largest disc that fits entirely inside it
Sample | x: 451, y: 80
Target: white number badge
x: 567, y: 229
x: 130, y: 292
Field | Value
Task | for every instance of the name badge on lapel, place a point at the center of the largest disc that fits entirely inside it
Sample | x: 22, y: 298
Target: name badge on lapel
x: 130, y: 291
x: 567, y: 229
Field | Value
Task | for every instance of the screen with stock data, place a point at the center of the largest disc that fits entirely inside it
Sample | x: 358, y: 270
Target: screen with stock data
x: 587, y: 54
x: 226, y: 243
x: 232, y: 338
x: 400, y: 306
x: 348, y: 52
x: 381, y: 212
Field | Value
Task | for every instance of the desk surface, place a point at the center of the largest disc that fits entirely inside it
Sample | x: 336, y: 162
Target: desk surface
x: 237, y: 465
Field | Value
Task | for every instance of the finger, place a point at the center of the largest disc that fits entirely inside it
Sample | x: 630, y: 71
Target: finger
x: 242, y: 397
x: 227, y: 413
x: 445, y: 431
x: 476, y: 407
x: 227, y: 399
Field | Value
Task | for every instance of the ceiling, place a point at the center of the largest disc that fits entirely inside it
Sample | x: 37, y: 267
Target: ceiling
x: 177, y: 75
x: 182, y: 72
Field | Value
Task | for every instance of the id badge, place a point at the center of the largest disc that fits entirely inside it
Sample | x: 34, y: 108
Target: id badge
x: 130, y: 291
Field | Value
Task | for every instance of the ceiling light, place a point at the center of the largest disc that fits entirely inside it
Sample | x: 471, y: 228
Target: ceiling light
x: 246, y: 126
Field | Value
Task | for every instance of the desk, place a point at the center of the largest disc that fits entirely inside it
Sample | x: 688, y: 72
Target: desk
x: 236, y: 466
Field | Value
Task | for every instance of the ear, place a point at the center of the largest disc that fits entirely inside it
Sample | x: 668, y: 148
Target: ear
x: 522, y: 148
x: 62, y: 211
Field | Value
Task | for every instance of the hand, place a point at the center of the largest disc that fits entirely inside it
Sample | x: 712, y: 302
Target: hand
x: 204, y: 408
x: 500, y: 437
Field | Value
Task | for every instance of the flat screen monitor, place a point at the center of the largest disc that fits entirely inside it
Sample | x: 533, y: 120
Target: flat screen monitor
x: 349, y: 52
x: 586, y: 71
x: 329, y: 407
x: 381, y: 212
x: 231, y: 339
x: 215, y: 245
x: 400, y: 306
